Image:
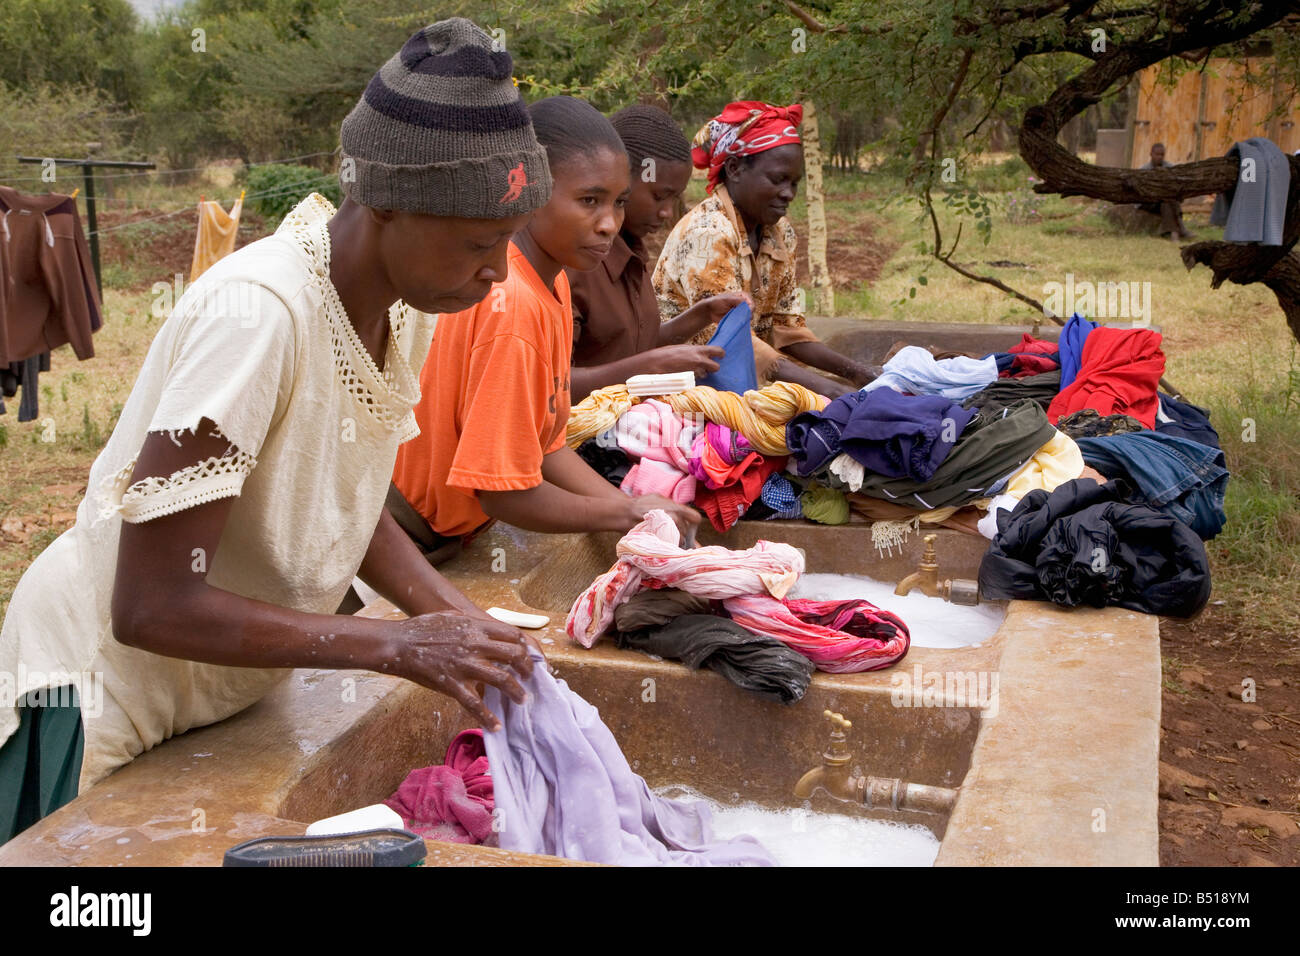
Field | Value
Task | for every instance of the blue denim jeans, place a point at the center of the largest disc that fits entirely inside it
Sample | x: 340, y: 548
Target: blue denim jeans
x: 1181, y: 477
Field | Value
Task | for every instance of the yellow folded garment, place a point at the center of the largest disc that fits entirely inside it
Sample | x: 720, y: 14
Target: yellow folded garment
x: 1054, y: 464
x: 760, y: 415
x: 597, y: 413
x: 216, y: 236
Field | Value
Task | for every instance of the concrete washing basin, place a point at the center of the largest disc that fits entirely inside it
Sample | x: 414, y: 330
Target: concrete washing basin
x: 1061, y: 771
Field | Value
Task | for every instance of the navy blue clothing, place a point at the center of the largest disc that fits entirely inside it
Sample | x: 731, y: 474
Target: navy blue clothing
x: 903, y: 436
x: 1179, y: 477
x: 1189, y: 421
x: 814, y: 437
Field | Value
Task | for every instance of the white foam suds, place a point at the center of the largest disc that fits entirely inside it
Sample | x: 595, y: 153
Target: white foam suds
x: 802, y: 838
x: 932, y: 621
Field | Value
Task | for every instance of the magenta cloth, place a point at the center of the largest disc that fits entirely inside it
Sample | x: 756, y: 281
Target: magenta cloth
x: 650, y: 477
x: 716, y: 449
x: 841, y: 637
x: 651, y: 556
x: 452, y: 802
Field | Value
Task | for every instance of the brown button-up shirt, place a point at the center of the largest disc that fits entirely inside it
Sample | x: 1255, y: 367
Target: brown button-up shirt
x: 48, y: 297
x: 614, y: 306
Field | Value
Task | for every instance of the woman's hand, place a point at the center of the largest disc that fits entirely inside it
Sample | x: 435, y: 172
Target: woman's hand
x: 685, y: 517
x: 700, y: 359
x: 700, y: 316
x: 454, y: 654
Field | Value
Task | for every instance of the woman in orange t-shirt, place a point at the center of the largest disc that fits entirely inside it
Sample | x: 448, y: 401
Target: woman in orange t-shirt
x: 495, y: 388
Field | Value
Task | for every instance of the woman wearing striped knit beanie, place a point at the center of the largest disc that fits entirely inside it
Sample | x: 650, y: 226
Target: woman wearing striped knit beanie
x: 243, y: 486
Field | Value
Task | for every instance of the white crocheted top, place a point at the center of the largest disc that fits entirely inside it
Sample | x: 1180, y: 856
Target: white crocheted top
x: 260, y: 346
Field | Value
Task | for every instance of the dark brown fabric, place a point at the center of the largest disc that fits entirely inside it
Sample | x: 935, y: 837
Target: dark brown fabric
x: 656, y: 607
x: 614, y: 305
x: 49, y: 297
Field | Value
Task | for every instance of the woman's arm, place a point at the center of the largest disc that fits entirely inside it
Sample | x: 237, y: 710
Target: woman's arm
x: 820, y: 355
x: 396, y: 569
x: 162, y: 603
x: 574, y: 498
x: 700, y: 359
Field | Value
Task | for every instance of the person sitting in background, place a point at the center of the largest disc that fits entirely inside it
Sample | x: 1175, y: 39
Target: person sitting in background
x: 739, y: 239
x: 1170, y: 211
x: 617, y: 330
x: 494, y: 391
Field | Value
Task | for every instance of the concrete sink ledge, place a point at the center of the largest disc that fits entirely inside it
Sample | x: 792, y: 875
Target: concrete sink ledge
x: 1065, y: 772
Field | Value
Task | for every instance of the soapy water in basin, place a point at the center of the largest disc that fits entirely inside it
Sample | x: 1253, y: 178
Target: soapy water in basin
x: 802, y: 838
x: 932, y: 621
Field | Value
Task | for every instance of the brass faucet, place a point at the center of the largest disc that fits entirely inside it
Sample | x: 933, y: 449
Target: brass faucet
x: 834, y: 777
x: 926, y: 577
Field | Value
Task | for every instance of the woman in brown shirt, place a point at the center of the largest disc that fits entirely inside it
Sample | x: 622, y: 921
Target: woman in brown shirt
x: 617, y: 330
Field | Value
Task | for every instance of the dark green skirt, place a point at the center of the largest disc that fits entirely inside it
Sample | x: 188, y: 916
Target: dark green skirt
x: 40, y: 764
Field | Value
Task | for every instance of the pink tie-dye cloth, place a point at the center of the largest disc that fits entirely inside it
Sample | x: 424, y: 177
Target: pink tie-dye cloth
x: 841, y: 637
x: 650, y: 556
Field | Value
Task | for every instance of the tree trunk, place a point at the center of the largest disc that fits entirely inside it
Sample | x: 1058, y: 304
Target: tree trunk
x: 818, y: 270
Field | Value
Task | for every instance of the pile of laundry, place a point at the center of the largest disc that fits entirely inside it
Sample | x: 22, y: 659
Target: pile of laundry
x: 723, y: 452
x: 702, y: 604
x: 953, y: 440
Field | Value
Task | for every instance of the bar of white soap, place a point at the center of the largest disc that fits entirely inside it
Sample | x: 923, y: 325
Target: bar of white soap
x: 518, y: 618
x: 376, y: 817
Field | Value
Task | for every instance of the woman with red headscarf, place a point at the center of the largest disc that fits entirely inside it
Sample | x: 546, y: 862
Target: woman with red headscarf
x: 739, y: 240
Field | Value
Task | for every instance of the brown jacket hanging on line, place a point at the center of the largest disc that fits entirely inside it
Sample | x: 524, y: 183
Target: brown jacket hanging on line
x: 48, y: 296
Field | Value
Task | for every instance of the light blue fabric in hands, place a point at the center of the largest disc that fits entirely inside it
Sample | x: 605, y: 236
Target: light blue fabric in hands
x: 563, y: 787
x: 734, y: 336
x: 913, y: 369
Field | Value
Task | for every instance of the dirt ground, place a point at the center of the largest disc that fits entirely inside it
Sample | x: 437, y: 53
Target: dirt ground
x: 1229, y: 768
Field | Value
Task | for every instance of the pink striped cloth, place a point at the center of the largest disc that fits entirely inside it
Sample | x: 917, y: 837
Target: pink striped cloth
x: 841, y: 637
x: 650, y: 477
x: 649, y: 556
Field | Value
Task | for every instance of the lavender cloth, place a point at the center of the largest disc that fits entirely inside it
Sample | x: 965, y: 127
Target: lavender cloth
x: 563, y: 787
x: 903, y: 436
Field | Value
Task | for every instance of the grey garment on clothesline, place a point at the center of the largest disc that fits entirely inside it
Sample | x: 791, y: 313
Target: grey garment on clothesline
x: 563, y: 787
x: 1255, y: 210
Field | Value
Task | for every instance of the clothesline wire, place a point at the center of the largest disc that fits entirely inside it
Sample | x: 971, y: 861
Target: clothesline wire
x: 173, y: 172
x: 168, y: 215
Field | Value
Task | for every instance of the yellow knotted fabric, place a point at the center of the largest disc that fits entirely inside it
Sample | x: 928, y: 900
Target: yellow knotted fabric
x: 760, y: 415
x: 597, y: 413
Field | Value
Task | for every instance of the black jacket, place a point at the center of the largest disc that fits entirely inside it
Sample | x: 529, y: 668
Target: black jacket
x: 1085, y: 544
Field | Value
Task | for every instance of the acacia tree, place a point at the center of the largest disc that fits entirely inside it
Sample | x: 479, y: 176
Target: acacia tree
x: 956, y: 56
x: 940, y: 70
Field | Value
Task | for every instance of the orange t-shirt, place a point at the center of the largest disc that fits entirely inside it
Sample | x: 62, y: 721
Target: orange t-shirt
x: 494, y: 399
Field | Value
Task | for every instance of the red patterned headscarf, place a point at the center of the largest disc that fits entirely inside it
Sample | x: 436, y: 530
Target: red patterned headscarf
x: 744, y: 128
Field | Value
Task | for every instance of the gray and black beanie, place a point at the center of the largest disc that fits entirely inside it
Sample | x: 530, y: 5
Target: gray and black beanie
x: 441, y: 129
